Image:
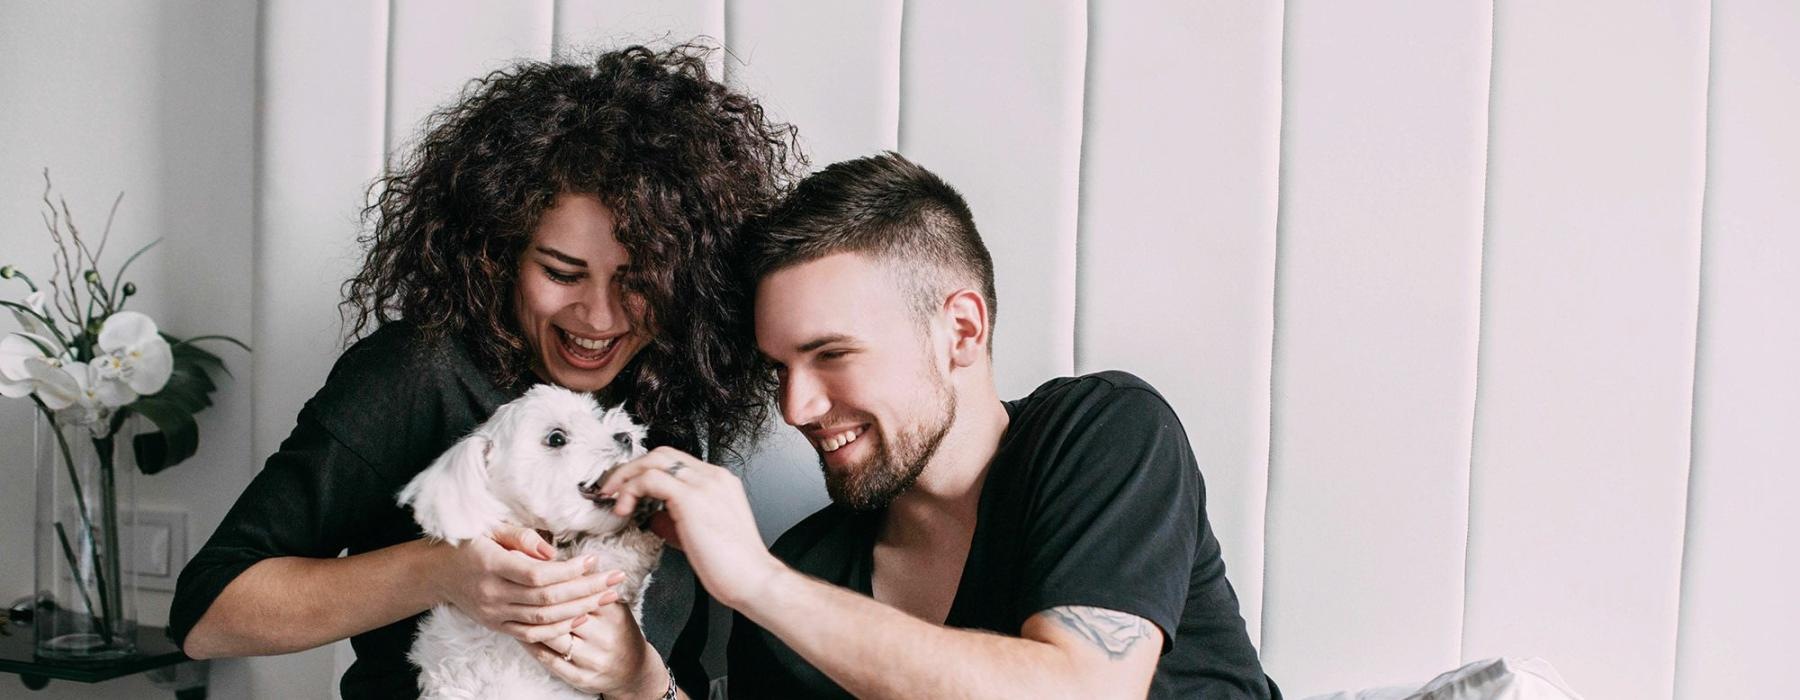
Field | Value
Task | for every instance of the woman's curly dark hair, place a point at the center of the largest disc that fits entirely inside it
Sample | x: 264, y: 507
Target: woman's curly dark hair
x: 680, y: 159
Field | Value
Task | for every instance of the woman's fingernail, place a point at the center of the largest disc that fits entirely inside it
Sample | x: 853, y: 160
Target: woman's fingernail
x: 614, y: 578
x: 579, y: 621
x: 590, y: 563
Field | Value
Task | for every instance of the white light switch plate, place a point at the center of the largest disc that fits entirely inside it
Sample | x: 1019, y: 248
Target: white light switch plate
x: 161, y: 549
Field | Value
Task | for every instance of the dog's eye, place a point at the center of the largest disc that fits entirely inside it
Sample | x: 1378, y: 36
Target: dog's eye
x: 623, y: 439
x: 556, y: 438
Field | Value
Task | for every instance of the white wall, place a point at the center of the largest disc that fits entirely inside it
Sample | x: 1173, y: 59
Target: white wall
x: 1480, y: 315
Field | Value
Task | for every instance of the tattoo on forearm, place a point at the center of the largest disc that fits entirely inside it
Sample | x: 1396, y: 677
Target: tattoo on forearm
x: 1111, y: 631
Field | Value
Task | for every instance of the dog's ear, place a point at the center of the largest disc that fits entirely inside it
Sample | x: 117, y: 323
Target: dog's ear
x: 450, y: 499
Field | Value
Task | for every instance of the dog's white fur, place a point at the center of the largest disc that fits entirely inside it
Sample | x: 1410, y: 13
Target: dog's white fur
x: 506, y: 472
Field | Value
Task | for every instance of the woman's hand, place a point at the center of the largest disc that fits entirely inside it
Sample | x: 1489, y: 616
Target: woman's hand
x: 605, y: 654
x: 507, y: 583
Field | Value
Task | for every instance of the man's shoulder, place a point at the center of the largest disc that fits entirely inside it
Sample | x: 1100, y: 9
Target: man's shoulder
x: 1091, y: 431
x: 1110, y: 391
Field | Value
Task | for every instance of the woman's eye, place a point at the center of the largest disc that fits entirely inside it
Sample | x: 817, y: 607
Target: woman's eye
x: 832, y: 354
x: 559, y: 277
x: 555, y: 439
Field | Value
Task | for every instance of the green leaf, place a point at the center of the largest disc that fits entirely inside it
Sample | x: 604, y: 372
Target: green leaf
x: 226, y: 338
x: 177, y: 437
x: 191, y: 354
x: 187, y: 388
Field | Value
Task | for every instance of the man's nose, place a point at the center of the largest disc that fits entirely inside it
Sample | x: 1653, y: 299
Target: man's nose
x: 802, y: 399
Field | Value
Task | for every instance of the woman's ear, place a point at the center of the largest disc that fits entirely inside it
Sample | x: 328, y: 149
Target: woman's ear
x: 969, y: 325
x: 450, y: 499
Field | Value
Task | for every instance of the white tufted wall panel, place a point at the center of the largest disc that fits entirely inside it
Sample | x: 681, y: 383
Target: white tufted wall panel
x: 1378, y: 267
x: 1738, y: 613
x: 1481, y: 316
x: 1197, y: 319
x: 1587, y: 341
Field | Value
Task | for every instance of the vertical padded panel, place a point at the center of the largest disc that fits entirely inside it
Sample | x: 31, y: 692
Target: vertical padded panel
x: 1587, y: 353
x: 436, y: 47
x: 1738, y: 613
x: 1378, y: 276
x: 790, y: 52
x: 1177, y: 262
x: 323, y: 86
x: 588, y: 25
x: 323, y: 94
x: 831, y: 69
x: 990, y: 100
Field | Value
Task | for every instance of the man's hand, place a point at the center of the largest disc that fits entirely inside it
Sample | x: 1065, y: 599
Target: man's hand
x: 506, y: 583
x: 707, y: 516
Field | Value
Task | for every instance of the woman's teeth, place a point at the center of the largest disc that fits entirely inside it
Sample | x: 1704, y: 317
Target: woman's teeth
x: 836, y: 442
x: 597, y: 347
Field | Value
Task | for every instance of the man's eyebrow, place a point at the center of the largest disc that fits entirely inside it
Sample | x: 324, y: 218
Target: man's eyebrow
x: 566, y: 258
x: 823, y: 341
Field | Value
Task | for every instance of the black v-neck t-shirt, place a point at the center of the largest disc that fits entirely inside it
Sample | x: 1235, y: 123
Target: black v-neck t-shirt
x: 1093, y: 498
x: 391, y: 405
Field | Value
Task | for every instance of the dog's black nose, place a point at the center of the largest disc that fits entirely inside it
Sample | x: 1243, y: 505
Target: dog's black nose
x: 624, y: 440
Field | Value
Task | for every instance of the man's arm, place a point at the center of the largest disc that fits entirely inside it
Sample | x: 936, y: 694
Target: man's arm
x: 871, y: 649
x: 876, y: 651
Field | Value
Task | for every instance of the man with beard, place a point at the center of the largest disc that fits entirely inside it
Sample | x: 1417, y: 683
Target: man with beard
x: 1052, y: 546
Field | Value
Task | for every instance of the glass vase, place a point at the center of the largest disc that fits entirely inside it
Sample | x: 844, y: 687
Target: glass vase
x: 87, y: 599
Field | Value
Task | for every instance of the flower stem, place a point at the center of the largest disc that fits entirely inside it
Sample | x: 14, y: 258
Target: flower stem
x: 111, y: 593
x: 87, y: 523
x: 74, y: 572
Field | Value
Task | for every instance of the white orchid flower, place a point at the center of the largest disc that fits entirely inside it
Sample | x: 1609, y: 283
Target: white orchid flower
x: 68, y: 387
x: 133, y: 359
x: 15, y: 348
x: 37, y: 302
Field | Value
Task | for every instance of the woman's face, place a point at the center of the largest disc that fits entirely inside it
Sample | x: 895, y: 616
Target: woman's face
x: 581, y: 328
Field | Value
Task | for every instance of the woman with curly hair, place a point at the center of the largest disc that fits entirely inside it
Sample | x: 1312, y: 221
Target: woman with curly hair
x: 576, y: 224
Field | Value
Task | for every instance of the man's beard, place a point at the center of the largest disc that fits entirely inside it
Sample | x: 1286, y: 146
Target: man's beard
x: 892, y: 470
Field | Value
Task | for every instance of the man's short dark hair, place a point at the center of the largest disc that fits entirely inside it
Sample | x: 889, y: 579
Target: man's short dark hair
x: 890, y: 209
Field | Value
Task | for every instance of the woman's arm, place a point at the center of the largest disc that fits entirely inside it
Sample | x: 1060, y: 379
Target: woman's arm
x: 286, y: 604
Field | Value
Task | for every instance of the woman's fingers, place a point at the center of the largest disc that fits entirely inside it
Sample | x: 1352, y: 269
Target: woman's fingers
x: 523, y: 540
x: 599, y: 624
x: 566, y: 591
x: 553, y: 660
x: 528, y: 572
x: 546, y: 614
x: 561, y: 619
x: 537, y: 634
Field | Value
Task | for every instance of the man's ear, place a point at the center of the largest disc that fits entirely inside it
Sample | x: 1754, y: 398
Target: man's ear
x: 966, y: 314
x: 450, y: 499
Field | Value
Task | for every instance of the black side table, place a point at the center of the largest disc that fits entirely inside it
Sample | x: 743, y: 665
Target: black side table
x: 157, y: 656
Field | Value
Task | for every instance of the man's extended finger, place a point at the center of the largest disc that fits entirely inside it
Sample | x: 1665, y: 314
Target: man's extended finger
x: 651, y: 460
x: 528, y: 572
x: 654, y: 483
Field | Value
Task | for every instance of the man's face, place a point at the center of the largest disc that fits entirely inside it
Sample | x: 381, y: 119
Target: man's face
x: 861, y: 376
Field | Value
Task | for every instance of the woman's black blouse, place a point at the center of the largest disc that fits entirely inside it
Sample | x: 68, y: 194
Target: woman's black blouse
x: 390, y: 406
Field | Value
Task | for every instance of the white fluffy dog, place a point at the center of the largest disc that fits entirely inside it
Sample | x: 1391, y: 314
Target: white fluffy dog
x: 536, y: 463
